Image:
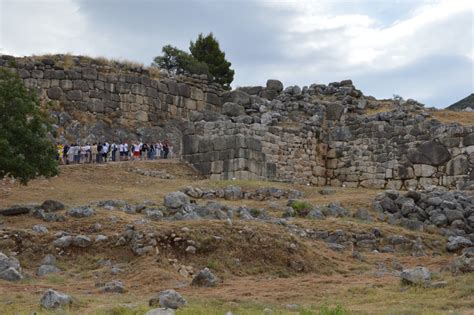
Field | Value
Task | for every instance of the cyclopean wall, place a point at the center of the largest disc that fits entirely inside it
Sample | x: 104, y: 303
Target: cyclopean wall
x: 320, y: 135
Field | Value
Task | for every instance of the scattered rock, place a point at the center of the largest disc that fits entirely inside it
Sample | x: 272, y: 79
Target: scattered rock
x: 416, y: 276
x: 114, y: 286
x: 176, y: 200
x: 63, y: 242
x: 82, y: 241
x: 38, y: 228
x: 168, y: 299
x: 205, y: 278
x: 54, y: 299
x: 47, y: 269
x: 456, y: 243
x: 81, y: 212
x: 52, y: 205
x: 10, y: 268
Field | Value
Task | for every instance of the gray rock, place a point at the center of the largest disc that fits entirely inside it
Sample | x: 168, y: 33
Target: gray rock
x: 54, y: 299
x: 169, y: 299
x: 462, y: 264
x: 63, y: 242
x: 236, y: 96
x: 457, y: 166
x: 54, y: 93
x: 232, y: 109
x: 114, y: 286
x: 362, y: 214
x: 416, y: 276
x: 456, y: 243
x: 430, y: 152
x: 314, y: 214
x: 154, y: 214
x: 274, y: 85
x: 205, y: 278
x: 10, y: 273
x: 81, y: 212
x: 82, y: 241
x: 49, y: 260
x: 101, y: 238
x: 52, y: 205
x: 38, y: 228
x: 232, y: 193
x: 176, y: 200
x: 46, y: 269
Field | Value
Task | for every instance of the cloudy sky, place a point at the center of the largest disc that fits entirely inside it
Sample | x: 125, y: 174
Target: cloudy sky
x: 417, y: 49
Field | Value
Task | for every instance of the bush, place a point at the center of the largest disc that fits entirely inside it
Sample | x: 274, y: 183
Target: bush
x: 26, y: 151
x: 301, y: 208
x: 179, y: 62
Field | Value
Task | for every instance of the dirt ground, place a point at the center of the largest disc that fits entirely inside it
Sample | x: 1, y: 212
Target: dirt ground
x: 251, y: 258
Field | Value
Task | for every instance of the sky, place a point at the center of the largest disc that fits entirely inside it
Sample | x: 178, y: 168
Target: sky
x: 420, y: 49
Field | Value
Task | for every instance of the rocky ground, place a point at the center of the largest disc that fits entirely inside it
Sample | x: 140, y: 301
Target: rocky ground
x: 152, y: 237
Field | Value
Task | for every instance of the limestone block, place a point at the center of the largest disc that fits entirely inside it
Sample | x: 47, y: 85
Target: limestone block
x: 373, y: 183
x: 424, y: 170
x: 457, y: 166
x: 426, y: 183
x: 410, y: 184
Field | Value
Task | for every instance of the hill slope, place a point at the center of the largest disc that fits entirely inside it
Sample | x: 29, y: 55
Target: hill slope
x: 462, y: 104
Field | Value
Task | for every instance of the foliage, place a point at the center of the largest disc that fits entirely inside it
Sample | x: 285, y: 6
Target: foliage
x: 179, y: 62
x: 301, y: 208
x: 206, y: 49
x: 25, y: 150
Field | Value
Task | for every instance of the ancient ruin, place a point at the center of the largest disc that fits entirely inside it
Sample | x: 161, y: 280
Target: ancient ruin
x: 319, y: 134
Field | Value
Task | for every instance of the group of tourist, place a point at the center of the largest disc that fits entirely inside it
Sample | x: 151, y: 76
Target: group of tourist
x: 103, y: 152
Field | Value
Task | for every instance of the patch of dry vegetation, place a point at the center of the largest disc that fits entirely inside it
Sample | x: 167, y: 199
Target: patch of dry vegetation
x: 449, y: 116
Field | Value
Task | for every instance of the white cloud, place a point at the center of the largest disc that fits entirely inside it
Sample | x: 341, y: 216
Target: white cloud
x: 38, y: 27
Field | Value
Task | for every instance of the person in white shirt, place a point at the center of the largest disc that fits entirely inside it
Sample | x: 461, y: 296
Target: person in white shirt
x: 125, y: 151
x: 121, y: 151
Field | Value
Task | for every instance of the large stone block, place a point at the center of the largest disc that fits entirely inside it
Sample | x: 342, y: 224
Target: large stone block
x: 424, y: 170
x: 55, y: 93
x: 89, y: 73
x: 74, y: 95
x: 468, y: 140
x: 213, y: 99
x: 430, y: 152
x: 334, y: 111
x: 457, y: 166
x: 237, y: 97
x: 190, y: 144
x: 232, y: 109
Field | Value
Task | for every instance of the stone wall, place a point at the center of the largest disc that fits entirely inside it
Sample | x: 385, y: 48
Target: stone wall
x: 319, y: 135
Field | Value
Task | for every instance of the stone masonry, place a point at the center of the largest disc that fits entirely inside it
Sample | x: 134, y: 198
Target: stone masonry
x: 320, y: 135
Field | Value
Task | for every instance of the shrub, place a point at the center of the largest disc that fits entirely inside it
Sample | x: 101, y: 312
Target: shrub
x: 301, y: 208
x: 337, y: 310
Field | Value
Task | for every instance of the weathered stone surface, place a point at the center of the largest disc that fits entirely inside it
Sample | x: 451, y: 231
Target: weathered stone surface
x: 416, y: 276
x: 81, y: 212
x: 10, y: 269
x: 168, y: 299
x: 176, y: 200
x: 431, y: 153
x: 275, y: 85
x: 46, y: 269
x: 52, y: 299
x: 457, y: 166
x: 52, y: 205
x: 232, y: 109
x: 205, y: 278
x: 55, y: 93
x: 114, y: 286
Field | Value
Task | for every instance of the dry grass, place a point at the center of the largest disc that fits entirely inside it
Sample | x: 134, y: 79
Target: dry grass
x: 261, y: 277
x: 383, y: 106
x: 448, y: 116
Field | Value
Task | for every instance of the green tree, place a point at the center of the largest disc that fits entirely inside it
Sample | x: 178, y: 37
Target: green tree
x: 179, y: 62
x: 206, y: 49
x: 25, y: 150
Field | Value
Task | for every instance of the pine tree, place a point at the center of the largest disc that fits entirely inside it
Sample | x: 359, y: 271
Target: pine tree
x: 206, y: 49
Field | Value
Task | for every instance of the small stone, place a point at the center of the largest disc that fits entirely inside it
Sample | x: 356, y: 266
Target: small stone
x: 168, y: 299
x: 191, y: 249
x: 49, y: 260
x: 38, y: 228
x: 82, y: 241
x: 416, y: 276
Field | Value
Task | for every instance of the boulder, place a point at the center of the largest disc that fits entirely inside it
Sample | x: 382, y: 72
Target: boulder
x: 80, y: 212
x: 236, y: 96
x: 176, y: 200
x: 82, y: 241
x: 52, y: 205
x: 334, y: 111
x: 232, y: 109
x: 54, y: 299
x: 205, y: 278
x: 430, y: 152
x: 416, y: 276
x: 17, y: 210
x: 114, y: 286
x: 10, y: 268
x: 168, y: 299
x: 46, y: 269
x: 63, y: 242
x: 49, y: 260
x: 462, y: 264
x: 275, y: 85
x: 456, y: 243
x: 362, y: 214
